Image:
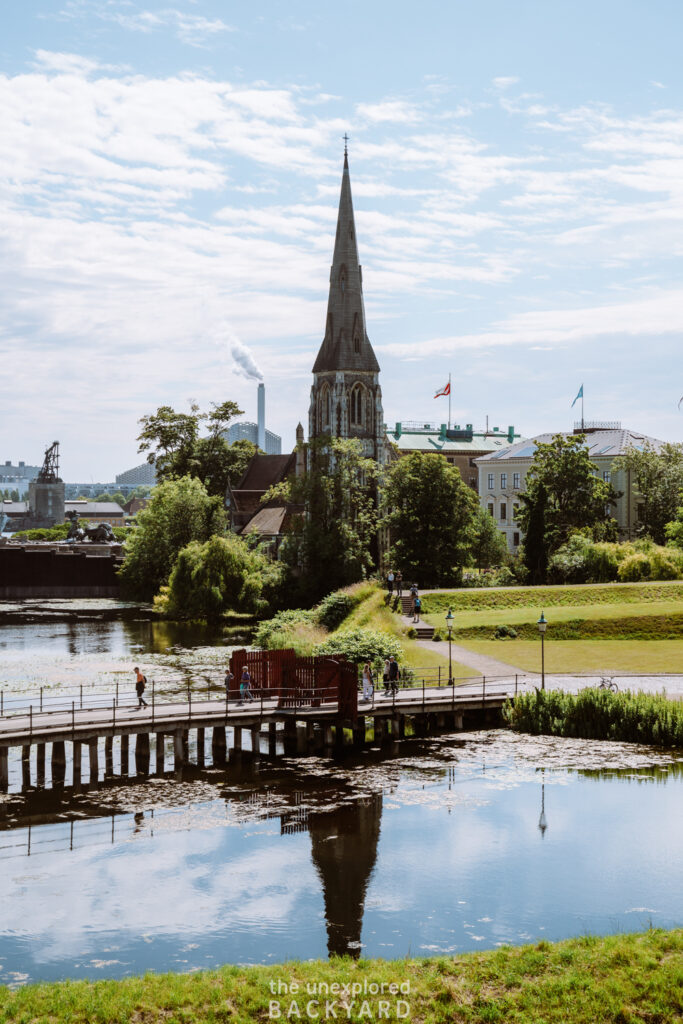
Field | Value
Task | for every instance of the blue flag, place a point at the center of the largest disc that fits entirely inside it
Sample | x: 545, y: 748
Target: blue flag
x: 580, y: 395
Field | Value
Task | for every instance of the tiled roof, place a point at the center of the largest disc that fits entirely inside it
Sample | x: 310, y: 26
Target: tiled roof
x: 424, y: 442
x: 608, y: 443
x: 266, y: 470
x: 267, y: 521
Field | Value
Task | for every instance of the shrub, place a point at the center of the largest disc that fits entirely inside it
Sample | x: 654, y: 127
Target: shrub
x: 269, y: 634
x: 411, y: 633
x: 360, y: 645
x: 334, y: 608
x: 437, y: 635
x: 635, y: 567
x: 505, y: 632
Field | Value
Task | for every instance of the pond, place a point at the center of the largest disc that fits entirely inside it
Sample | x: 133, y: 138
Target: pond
x: 455, y: 843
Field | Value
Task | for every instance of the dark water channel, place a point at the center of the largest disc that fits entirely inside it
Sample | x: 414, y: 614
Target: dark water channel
x: 459, y: 842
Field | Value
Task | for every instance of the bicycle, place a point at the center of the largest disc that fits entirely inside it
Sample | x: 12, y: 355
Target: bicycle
x: 608, y: 684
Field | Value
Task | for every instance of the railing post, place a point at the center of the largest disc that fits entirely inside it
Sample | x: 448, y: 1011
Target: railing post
x: 2, y: 703
x: 73, y: 720
x: 423, y: 692
x: 439, y: 676
x: 113, y: 715
x: 153, y: 691
x: 483, y: 691
x: 515, y: 684
x: 41, y: 698
x: 30, y: 720
x: 117, y: 691
x: 81, y: 695
x: 189, y: 702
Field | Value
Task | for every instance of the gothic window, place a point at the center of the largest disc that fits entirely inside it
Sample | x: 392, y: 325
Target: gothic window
x: 325, y: 406
x: 357, y: 406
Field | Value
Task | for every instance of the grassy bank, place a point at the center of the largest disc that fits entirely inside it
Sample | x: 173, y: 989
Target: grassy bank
x: 366, y: 609
x: 620, y: 978
x: 594, y: 714
x: 613, y: 627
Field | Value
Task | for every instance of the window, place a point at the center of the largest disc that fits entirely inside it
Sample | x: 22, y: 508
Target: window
x: 515, y: 539
x: 503, y: 481
x: 515, y: 480
x: 357, y: 406
x: 503, y: 511
x: 491, y: 483
x: 325, y: 406
x: 450, y: 459
x: 606, y: 475
x: 491, y: 509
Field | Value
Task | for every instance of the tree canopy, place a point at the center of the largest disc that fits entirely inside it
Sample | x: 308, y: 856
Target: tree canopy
x: 658, y: 477
x: 563, y: 494
x: 180, y: 511
x: 333, y: 541
x: 430, y: 514
x: 176, y: 446
x: 223, y: 574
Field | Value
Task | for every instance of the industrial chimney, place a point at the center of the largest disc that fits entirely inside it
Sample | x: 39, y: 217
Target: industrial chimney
x: 261, y: 418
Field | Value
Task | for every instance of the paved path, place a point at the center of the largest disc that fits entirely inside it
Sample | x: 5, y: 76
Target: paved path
x: 481, y: 663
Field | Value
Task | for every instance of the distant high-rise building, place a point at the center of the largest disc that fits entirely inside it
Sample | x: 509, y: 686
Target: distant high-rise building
x: 143, y: 474
x: 17, y: 477
x: 250, y: 432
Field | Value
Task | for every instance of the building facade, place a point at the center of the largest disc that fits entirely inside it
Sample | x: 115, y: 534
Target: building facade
x: 346, y: 398
x: 17, y: 477
x: 272, y: 443
x: 459, y: 446
x: 502, y: 476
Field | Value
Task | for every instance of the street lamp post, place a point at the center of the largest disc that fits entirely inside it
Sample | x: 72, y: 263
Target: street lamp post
x: 449, y: 624
x: 542, y: 626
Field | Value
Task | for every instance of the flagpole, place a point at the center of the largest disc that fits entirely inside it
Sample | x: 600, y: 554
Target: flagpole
x: 582, y: 408
x: 449, y: 401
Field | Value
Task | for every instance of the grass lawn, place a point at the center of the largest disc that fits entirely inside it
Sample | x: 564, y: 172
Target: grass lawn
x: 620, y: 978
x: 464, y: 619
x: 643, y: 656
x: 553, y: 596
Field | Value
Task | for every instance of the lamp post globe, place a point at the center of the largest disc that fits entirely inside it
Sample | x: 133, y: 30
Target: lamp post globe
x: 542, y: 626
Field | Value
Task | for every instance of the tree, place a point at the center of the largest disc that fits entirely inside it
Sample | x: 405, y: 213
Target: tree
x: 333, y: 541
x: 179, y: 512
x: 220, y: 575
x: 563, y: 494
x: 674, y: 529
x: 176, y: 447
x: 431, y: 515
x: 489, y: 546
x: 658, y: 477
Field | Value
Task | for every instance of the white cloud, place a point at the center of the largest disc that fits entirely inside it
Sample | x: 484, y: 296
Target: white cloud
x: 193, y: 29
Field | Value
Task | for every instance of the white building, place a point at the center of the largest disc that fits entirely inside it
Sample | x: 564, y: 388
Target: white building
x: 502, y: 475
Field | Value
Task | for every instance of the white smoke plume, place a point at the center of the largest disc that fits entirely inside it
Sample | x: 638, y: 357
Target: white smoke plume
x: 244, y: 362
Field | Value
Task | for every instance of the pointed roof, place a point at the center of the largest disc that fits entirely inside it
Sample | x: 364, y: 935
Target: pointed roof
x: 346, y: 345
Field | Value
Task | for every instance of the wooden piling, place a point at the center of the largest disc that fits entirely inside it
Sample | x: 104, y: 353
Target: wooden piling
x: 458, y: 720
x: 359, y: 732
x: 378, y: 724
x: 108, y: 756
x: 77, y: 770
x: 328, y: 736
x: 401, y: 727
x: 159, y: 753
x: 58, y: 764
x: 237, y: 740
x: 26, y: 766
x: 4, y: 769
x: 142, y: 753
x: 218, y: 746
x: 40, y: 765
x: 256, y: 743
x: 272, y: 739
x: 200, y: 747
x: 178, y: 750
x: 93, y: 757
x: 301, y: 738
x: 125, y: 754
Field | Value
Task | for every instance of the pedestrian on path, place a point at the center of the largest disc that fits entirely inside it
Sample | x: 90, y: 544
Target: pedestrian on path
x: 390, y: 582
x: 393, y: 675
x: 417, y: 608
x: 140, y: 684
x: 413, y: 595
x: 398, y: 580
x: 228, y: 682
x: 245, y: 686
x: 368, y: 688
x: 385, y: 677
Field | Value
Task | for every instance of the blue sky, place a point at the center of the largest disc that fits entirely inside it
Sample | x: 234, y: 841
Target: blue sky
x: 169, y: 175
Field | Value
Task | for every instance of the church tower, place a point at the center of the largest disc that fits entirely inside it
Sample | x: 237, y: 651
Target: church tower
x: 346, y: 399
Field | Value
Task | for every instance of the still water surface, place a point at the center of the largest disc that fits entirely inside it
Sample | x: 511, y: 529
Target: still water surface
x: 460, y: 842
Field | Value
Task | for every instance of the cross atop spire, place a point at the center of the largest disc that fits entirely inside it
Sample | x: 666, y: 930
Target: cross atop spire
x: 346, y: 150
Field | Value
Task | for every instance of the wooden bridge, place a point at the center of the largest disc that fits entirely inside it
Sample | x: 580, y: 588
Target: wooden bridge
x: 319, y: 710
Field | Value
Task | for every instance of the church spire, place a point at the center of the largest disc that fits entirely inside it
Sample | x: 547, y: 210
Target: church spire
x: 346, y: 345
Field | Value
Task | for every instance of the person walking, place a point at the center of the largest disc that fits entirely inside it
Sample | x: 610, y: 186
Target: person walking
x: 368, y: 688
x: 417, y: 608
x: 413, y: 595
x: 390, y: 582
x: 393, y: 675
x: 398, y: 580
x: 140, y: 684
x: 245, y: 686
x: 228, y: 682
x: 385, y: 677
